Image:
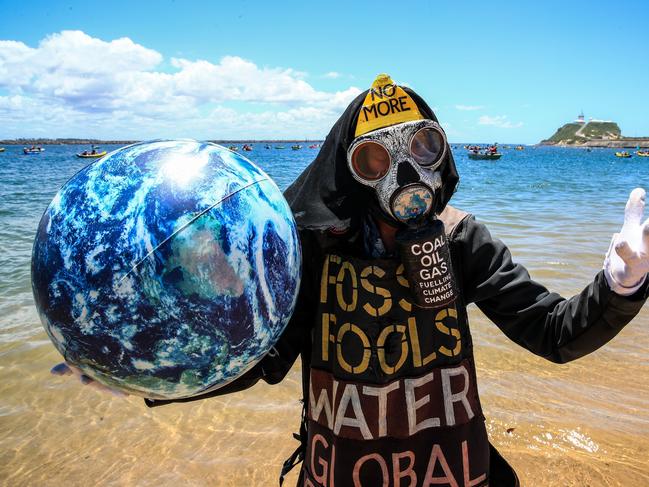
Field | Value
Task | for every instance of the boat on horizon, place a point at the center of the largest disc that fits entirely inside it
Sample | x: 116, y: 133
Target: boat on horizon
x: 296, y: 147
x: 488, y: 153
x: 33, y: 150
x: 93, y: 153
x: 485, y: 156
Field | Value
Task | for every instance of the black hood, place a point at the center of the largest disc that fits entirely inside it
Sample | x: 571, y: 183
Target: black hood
x: 326, y: 194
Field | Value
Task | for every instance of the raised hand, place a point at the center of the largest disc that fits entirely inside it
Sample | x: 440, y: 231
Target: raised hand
x: 627, y: 260
x: 65, y: 368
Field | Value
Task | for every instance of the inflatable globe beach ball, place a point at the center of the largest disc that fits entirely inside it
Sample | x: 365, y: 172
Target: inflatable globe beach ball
x: 166, y: 269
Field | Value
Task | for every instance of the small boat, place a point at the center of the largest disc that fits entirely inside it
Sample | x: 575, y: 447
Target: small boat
x: 33, y: 150
x: 520, y: 147
x: 624, y: 154
x: 296, y: 147
x: 280, y: 147
x: 488, y: 156
x: 314, y: 146
x: 643, y: 153
x: 267, y: 146
x: 2, y: 149
x: 91, y: 155
x: 247, y: 147
x: 233, y: 148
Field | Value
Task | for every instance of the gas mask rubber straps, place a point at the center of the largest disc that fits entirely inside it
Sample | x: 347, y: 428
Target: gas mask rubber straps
x: 400, y: 164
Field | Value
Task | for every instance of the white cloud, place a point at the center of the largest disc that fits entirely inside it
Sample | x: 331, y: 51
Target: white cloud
x: 73, y: 81
x: 235, y: 78
x: 332, y: 75
x: 498, y: 121
x: 469, y: 107
x: 70, y: 57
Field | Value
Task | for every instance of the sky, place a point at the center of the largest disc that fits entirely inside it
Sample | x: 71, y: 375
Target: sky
x: 508, y: 72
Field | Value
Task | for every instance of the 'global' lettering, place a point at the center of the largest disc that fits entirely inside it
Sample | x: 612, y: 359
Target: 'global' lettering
x: 392, y: 468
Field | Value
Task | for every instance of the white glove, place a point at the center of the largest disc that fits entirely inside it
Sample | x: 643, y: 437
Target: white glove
x: 627, y: 260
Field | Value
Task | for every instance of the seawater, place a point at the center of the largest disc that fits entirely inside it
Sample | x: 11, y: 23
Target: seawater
x: 584, y: 423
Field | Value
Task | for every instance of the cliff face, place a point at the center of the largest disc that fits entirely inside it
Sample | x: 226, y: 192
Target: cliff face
x: 582, y: 133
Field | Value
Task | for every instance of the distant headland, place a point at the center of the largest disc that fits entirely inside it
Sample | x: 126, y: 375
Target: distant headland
x: 594, y: 133
x: 72, y: 141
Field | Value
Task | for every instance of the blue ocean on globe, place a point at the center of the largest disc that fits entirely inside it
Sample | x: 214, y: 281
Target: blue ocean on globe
x: 167, y: 268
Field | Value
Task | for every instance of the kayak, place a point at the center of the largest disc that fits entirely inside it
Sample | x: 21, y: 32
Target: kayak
x: 92, y: 156
x: 643, y: 153
x: 622, y: 154
x: 489, y: 157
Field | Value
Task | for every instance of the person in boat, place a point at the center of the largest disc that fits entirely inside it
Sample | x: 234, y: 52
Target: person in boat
x: 93, y: 152
x: 380, y: 324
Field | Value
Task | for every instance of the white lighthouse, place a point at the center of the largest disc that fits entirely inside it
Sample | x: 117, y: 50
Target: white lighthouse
x: 580, y: 118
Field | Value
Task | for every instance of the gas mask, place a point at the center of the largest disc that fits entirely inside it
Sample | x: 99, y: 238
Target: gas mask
x: 400, y: 163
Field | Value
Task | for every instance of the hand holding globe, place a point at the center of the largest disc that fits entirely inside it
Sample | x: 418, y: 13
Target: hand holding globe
x: 68, y: 369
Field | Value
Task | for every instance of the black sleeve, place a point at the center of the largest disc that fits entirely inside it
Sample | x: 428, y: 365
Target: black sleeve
x: 543, y: 322
x: 279, y: 360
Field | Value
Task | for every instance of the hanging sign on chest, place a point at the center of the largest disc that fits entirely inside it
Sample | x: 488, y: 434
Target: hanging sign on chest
x: 427, y: 260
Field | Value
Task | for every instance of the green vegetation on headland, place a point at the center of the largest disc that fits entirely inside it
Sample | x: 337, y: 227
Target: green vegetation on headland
x: 594, y: 134
x: 30, y: 142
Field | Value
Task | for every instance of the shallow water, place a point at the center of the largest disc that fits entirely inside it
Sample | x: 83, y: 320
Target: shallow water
x: 585, y: 423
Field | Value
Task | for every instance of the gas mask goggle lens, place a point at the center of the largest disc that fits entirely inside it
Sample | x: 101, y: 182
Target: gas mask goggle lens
x: 370, y: 160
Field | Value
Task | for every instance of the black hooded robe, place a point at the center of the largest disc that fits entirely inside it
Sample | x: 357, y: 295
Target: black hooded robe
x: 378, y: 393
